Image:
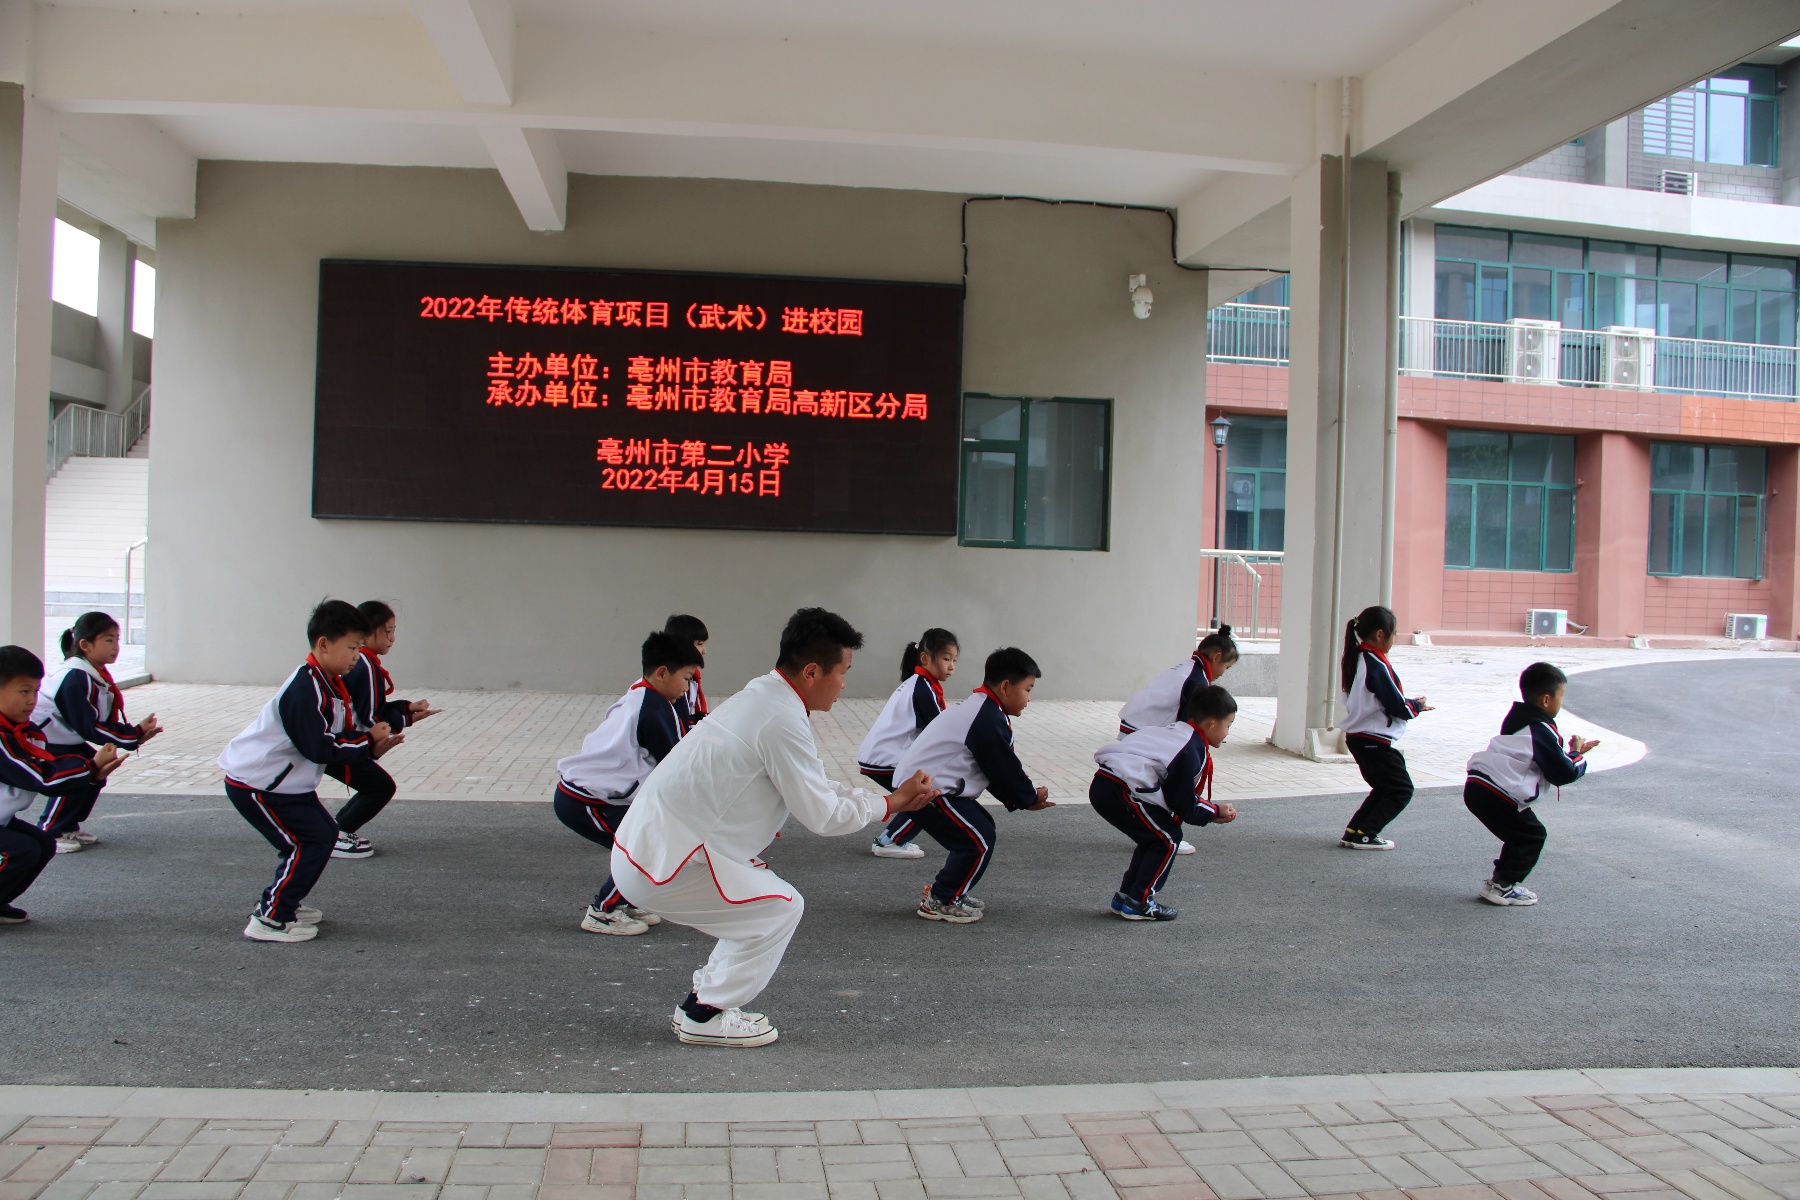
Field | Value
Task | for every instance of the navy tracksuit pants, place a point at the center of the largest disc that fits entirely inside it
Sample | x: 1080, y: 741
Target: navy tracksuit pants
x: 25, y: 850
x: 1155, y: 829
x: 597, y: 822
x: 65, y: 812
x: 1383, y: 768
x: 965, y: 829
x: 301, y: 831
x: 1520, y: 832
x: 902, y: 829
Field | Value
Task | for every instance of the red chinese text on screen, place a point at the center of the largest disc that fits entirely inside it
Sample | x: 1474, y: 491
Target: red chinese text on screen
x: 704, y: 468
x: 636, y: 314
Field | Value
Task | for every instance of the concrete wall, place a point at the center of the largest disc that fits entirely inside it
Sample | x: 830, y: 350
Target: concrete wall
x: 238, y: 560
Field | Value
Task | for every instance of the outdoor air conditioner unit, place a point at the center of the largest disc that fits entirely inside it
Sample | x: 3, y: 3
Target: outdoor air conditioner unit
x: 1679, y: 183
x: 1533, y: 350
x: 1630, y: 358
x: 1748, y: 627
x: 1547, y: 622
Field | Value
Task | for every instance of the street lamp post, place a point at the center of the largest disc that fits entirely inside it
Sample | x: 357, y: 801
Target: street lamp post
x: 1221, y: 427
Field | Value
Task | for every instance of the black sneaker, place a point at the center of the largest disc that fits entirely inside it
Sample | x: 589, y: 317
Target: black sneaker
x: 1365, y: 841
x: 12, y: 916
x: 1150, y: 910
x: 349, y: 845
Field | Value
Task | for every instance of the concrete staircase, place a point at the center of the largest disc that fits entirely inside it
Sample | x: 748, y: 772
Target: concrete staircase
x: 95, y: 508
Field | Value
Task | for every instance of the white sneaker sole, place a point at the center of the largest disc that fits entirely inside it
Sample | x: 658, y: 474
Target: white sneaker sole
x: 948, y: 918
x: 1502, y: 902
x: 675, y: 1020
x: 1366, y: 845
x: 369, y: 853
x: 588, y: 926
x: 63, y: 847
x: 906, y: 851
x: 295, y: 932
x: 727, y: 1043
x: 1185, y: 848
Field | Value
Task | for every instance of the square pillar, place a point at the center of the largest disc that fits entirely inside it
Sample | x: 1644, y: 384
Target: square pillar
x: 116, y: 258
x: 1419, y: 528
x: 1332, y: 567
x: 28, y: 161
x: 1612, y: 532
x: 1782, y: 555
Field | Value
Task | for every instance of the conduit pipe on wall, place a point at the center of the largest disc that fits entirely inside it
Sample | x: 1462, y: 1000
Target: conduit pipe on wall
x: 1390, y: 435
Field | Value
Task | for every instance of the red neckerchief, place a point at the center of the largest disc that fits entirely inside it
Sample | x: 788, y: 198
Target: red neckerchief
x: 337, y: 685
x: 983, y: 691
x: 1384, y: 662
x: 387, y: 681
x: 699, y: 693
x: 1205, y: 667
x: 937, y: 689
x: 118, y: 710
x: 1206, y: 771
x: 30, y: 739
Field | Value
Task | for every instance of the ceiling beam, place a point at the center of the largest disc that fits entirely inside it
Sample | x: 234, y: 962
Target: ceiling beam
x: 124, y: 171
x: 532, y: 166
x: 475, y: 40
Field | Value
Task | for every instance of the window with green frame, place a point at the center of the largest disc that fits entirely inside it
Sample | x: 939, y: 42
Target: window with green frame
x: 1511, y: 501
x: 1586, y: 283
x: 1256, y: 483
x: 1730, y: 118
x: 1036, y: 473
x: 1707, y: 509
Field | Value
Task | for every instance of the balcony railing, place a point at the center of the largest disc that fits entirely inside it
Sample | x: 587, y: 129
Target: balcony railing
x: 80, y: 430
x: 1539, y: 352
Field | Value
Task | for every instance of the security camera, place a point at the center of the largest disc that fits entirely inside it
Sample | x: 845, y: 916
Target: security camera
x: 1141, y: 296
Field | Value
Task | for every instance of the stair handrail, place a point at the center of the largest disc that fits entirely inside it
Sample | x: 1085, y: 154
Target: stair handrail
x: 82, y: 430
x: 126, y: 631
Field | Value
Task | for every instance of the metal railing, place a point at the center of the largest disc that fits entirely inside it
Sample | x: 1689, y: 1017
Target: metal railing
x: 1538, y: 352
x: 1242, y: 576
x: 125, y: 633
x: 1256, y: 334
x: 79, y: 430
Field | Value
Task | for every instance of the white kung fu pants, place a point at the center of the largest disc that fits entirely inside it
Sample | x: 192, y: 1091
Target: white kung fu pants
x: 752, y: 932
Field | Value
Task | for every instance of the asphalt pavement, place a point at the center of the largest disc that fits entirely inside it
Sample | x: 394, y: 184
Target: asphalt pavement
x: 1667, y: 936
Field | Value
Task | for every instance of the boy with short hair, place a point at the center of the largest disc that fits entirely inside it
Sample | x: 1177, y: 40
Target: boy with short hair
x: 1507, y: 777
x: 28, y: 770
x: 965, y: 750
x: 272, y: 769
x: 594, y: 787
x: 691, y: 630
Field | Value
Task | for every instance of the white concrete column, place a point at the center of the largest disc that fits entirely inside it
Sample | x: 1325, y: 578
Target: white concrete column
x: 28, y: 159
x: 116, y: 258
x: 1336, y: 400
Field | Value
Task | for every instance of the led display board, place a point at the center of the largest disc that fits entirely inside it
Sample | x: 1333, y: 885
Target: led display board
x: 576, y: 396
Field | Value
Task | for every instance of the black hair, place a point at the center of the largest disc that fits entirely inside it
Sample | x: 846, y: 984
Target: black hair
x: 87, y: 627
x: 375, y: 613
x: 1540, y: 679
x: 932, y: 641
x: 16, y: 662
x: 1211, y: 701
x: 1369, y: 622
x: 1220, y: 640
x: 334, y: 619
x: 1009, y: 665
x: 663, y: 649
x: 813, y: 635
x: 685, y: 628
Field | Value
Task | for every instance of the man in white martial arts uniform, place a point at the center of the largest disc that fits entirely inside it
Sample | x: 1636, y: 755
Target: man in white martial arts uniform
x: 684, y: 850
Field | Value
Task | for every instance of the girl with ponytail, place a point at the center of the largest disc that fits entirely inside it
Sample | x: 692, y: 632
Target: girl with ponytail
x: 1376, y: 711
x: 1158, y: 703
x: 924, y: 666
x: 79, y: 709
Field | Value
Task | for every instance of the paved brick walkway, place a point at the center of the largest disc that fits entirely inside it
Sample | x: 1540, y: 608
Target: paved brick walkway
x: 1381, y: 1138
x: 504, y: 745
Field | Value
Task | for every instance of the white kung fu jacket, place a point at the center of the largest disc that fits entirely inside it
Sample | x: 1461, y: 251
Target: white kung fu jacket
x: 728, y: 787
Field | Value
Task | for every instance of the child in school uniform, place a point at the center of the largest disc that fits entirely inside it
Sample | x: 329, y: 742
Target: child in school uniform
x: 1509, y: 776
x: 28, y: 769
x: 966, y: 750
x: 1155, y: 705
x: 1152, y: 781
x: 1376, y: 713
x: 79, y: 706
x: 371, y: 691
x: 690, y: 631
x: 925, y: 666
x: 272, y: 769
x: 594, y: 787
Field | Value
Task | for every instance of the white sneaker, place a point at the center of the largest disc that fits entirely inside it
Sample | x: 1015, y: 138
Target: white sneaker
x: 68, y: 843
x: 897, y: 850
x: 680, y: 1015
x: 1186, y: 847
x: 306, y: 914
x: 1510, y: 894
x: 643, y: 914
x: 617, y: 921
x: 86, y: 838
x: 351, y: 846
x: 732, y: 1028
x: 259, y: 930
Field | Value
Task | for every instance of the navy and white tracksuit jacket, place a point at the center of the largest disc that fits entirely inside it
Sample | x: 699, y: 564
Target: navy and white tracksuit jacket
x: 1169, y: 768
x: 370, y: 687
x: 80, y: 706
x: 1157, y: 704
x: 308, y: 725
x: 594, y: 786
x: 1375, y: 708
x: 29, y: 769
x: 1527, y: 754
x: 691, y: 708
x: 912, y: 706
x: 966, y: 749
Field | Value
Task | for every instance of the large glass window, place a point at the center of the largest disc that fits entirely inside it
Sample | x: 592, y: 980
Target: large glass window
x: 1729, y: 118
x: 1511, y: 501
x: 1256, y: 483
x: 1036, y: 473
x: 1707, y: 509
x: 1493, y: 275
x: 75, y: 268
